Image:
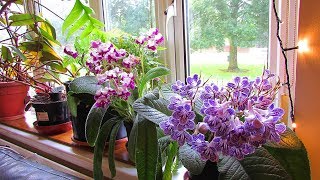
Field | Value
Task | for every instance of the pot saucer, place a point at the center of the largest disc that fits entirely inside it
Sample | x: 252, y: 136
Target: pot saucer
x: 53, y: 129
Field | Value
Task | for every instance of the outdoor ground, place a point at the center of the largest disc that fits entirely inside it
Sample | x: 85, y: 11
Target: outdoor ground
x: 214, y: 64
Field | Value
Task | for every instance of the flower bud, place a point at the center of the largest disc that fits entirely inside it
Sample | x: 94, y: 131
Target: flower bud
x: 203, y: 127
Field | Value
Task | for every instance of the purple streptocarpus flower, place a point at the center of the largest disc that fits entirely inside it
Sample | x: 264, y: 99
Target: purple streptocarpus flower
x: 238, y: 117
x: 181, y: 137
x: 167, y: 127
x: 183, y: 117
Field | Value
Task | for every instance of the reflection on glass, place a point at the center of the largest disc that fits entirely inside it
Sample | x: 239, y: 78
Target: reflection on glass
x: 228, y: 38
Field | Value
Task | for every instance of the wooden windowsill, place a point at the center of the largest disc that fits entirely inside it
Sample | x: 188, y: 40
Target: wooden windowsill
x: 60, y: 148
x: 63, y: 151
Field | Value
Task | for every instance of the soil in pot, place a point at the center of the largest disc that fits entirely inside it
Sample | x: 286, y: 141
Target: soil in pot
x: 12, y: 100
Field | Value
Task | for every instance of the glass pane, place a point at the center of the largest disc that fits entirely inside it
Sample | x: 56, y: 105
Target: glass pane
x: 131, y: 16
x: 60, y: 9
x: 228, y: 38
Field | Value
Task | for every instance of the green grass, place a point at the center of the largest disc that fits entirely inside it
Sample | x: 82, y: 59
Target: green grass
x: 219, y: 74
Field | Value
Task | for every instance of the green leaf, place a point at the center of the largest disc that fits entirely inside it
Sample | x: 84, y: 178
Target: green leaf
x: 99, y: 148
x: 78, y: 24
x: 6, y: 54
x: 25, y: 19
x: 48, y: 53
x: 72, y: 104
x: 74, y: 14
x: 289, y: 140
x: 172, y: 152
x: 160, y: 48
x: 79, y: 17
x: 57, y: 66
x: 93, y: 123
x: 151, y: 74
x: 45, y: 34
x: 291, y: 154
x: 259, y: 165
x: 166, y: 91
x: 147, y: 150
x: 159, y: 175
x: 85, y: 84
x: 152, y: 107
x: 18, y: 52
x: 86, y: 31
x: 112, y: 143
x: 133, y: 139
x: 191, y: 159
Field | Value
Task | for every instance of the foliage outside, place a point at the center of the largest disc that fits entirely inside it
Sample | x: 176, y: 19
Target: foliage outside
x: 241, y: 23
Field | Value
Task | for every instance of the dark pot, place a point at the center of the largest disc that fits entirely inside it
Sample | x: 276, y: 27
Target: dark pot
x: 210, y: 172
x: 51, y: 113
x: 79, y: 122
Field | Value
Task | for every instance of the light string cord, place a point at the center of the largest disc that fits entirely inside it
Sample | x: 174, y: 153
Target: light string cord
x: 283, y: 50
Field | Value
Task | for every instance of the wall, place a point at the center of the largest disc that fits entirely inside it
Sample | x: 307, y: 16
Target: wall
x: 307, y: 110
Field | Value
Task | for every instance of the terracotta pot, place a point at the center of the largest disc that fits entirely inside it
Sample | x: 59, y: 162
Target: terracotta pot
x: 12, y: 100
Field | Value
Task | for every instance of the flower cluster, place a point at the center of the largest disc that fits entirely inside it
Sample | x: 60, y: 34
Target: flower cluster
x: 237, y: 118
x: 151, y: 39
x: 113, y: 69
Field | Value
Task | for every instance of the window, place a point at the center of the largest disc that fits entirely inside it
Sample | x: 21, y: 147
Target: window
x: 59, y: 10
x: 131, y: 16
x: 227, y: 38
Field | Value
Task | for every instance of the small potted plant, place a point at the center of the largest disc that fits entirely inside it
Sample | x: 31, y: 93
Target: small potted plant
x: 229, y: 132
x: 27, y: 46
x: 124, y: 68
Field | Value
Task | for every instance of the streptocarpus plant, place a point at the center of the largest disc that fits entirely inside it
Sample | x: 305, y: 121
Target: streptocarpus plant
x: 237, y: 127
x: 237, y: 118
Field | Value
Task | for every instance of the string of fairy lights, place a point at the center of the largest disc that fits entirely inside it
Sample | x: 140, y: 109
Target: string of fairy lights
x: 283, y: 51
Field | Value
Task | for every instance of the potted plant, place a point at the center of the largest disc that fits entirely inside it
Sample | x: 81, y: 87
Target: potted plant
x: 27, y: 46
x: 229, y: 132
x: 124, y: 69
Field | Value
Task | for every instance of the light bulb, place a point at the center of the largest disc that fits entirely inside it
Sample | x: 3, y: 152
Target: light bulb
x: 294, y: 125
x: 303, y: 46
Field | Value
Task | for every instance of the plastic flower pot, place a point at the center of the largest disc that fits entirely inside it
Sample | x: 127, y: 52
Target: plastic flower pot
x: 51, y: 109
x: 79, y: 124
x: 12, y: 100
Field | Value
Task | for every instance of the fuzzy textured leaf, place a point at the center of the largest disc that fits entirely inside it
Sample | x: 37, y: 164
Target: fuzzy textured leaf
x: 291, y: 154
x: 99, y: 148
x: 133, y: 139
x: 166, y: 91
x: 191, y: 159
x: 85, y: 84
x: 72, y: 104
x: 152, y: 107
x: 259, y: 165
x: 112, y: 143
x: 146, y: 150
x: 93, y: 124
x: 151, y: 74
